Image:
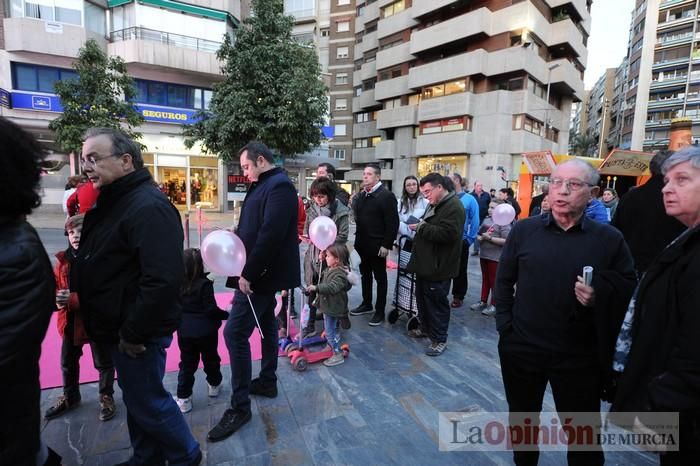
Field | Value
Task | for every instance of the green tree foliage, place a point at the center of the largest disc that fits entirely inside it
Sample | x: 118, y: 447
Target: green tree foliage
x: 271, y: 90
x: 584, y: 145
x: 101, y: 96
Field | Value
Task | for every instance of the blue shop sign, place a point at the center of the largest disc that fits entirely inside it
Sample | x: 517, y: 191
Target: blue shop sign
x: 181, y: 116
x: 42, y: 102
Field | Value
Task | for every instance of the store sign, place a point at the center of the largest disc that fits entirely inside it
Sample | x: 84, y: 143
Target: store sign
x: 53, y: 27
x: 40, y: 102
x: 5, y: 99
x: 182, y: 116
x: 238, y: 184
x: 626, y: 163
x: 539, y: 163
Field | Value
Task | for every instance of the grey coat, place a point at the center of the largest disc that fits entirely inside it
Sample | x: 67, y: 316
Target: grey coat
x: 339, y: 214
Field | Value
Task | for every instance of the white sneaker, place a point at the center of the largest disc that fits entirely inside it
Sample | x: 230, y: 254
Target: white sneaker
x: 478, y: 306
x: 214, y: 390
x: 489, y: 311
x: 185, y: 404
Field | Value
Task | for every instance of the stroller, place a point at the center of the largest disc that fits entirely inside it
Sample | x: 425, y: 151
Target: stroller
x: 405, y: 291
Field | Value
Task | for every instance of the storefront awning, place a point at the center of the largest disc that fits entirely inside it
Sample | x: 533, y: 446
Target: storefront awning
x: 182, y: 7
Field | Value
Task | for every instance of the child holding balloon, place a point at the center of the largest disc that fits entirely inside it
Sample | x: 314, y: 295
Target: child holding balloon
x: 492, y: 236
x: 198, y: 334
x: 332, y: 296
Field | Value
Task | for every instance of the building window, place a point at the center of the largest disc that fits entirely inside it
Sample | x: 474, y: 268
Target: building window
x: 529, y: 124
x: 343, y: 2
x: 358, y: 91
x: 364, y: 143
x: 342, y: 52
x: 341, y: 130
x: 341, y: 78
x: 364, y: 117
x: 300, y: 8
x: 341, y: 104
x: 343, y: 26
x: 171, y: 95
x: 63, y: 11
x: 38, y: 78
x: 339, y: 154
x: 393, y: 103
x: 446, y: 88
x: 325, y: 32
x: 463, y: 123
x: 393, y: 8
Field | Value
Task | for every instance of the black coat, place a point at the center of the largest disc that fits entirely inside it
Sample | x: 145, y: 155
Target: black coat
x: 663, y: 369
x: 129, y: 268
x: 201, y: 315
x: 27, y: 299
x: 642, y: 219
x: 376, y: 219
x: 268, y: 229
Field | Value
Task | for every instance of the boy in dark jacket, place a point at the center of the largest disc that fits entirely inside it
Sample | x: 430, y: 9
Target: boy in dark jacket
x: 198, y: 334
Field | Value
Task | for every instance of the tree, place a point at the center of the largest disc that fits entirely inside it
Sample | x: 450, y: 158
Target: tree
x: 271, y: 92
x: 584, y: 145
x: 101, y: 96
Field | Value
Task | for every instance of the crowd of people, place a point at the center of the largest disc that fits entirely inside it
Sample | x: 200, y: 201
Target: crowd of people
x: 124, y: 285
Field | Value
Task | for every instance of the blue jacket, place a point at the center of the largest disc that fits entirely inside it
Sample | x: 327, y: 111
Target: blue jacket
x: 597, y: 211
x: 472, y: 221
x: 268, y: 229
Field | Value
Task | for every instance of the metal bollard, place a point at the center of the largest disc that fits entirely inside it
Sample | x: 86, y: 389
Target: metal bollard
x: 187, y: 229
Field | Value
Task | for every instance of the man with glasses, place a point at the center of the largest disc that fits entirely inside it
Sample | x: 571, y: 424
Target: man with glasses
x: 557, y: 329
x: 128, y: 273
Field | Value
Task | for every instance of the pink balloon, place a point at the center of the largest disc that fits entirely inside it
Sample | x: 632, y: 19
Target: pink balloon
x: 503, y: 214
x: 322, y: 232
x: 223, y: 253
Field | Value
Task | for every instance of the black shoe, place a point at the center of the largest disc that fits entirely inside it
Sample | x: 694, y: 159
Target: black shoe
x: 62, y: 406
x: 230, y: 422
x: 345, y: 323
x: 377, y: 319
x: 362, y: 309
x: 259, y: 388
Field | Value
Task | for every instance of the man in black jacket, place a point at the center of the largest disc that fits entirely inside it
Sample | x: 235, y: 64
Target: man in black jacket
x: 268, y: 229
x: 557, y: 329
x: 642, y: 219
x: 128, y: 275
x: 328, y: 170
x: 377, y: 221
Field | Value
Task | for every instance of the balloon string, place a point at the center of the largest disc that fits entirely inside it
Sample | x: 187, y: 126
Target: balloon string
x: 262, y: 337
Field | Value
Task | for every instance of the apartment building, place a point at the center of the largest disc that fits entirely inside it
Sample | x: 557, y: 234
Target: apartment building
x: 464, y: 86
x: 617, y: 105
x: 598, y: 112
x: 170, y: 49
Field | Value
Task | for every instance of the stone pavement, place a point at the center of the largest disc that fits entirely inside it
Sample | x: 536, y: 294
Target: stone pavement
x: 379, y: 408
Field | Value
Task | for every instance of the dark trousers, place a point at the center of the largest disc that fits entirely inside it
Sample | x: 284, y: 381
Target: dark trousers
x: 191, y: 349
x: 157, y: 428
x: 575, y: 386
x: 282, y: 315
x: 238, y: 330
x: 488, y: 279
x: 433, y: 308
x: 461, y: 282
x: 374, y: 266
x: 70, y: 365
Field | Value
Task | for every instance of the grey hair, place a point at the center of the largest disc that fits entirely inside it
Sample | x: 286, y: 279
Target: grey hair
x: 592, y: 176
x: 121, y: 143
x: 687, y: 154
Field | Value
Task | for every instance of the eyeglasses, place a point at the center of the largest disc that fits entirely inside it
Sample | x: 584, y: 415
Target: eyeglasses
x: 92, y: 160
x: 573, y: 184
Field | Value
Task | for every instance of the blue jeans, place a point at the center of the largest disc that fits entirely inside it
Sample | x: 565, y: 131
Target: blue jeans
x: 157, y: 429
x: 332, y: 333
x: 238, y: 330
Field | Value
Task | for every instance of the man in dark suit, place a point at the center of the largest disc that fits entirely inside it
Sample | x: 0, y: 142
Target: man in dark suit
x: 268, y: 229
x: 377, y: 221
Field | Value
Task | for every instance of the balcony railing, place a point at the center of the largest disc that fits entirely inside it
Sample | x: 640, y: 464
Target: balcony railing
x: 168, y: 38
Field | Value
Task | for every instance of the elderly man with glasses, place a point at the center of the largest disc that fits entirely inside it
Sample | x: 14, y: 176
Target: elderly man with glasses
x: 557, y: 328
x: 128, y: 273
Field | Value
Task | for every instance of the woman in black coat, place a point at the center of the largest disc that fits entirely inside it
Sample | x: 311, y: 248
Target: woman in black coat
x: 658, y: 351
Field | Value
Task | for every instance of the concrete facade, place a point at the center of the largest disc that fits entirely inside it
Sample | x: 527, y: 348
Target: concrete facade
x: 463, y: 87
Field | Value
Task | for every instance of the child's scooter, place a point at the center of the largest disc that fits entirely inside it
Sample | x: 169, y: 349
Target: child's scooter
x: 288, y: 344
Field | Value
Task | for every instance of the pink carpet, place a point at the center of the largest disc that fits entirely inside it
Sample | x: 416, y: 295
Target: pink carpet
x: 50, y: 362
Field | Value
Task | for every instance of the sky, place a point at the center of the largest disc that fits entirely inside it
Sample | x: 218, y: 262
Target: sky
x: 607, y: 44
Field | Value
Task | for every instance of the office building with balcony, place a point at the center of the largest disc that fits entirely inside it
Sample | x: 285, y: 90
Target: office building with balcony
x: 464, y: 86
x: 617, y: 105
x: 598, y: 112
x: 170, y: 49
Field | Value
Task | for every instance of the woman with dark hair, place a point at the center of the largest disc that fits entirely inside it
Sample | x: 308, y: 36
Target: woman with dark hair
x: 411, y: 204
x: 27, y: 299
x: 323, y: 192
x: 610, y: 200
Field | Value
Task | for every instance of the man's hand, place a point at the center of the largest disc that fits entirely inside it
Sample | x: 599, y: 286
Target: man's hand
x: 322, y: 256
x: 244, y: 286
x: 584, y: 294
x: 133, y: 350
x: 413, y: 226
x: 311, y: 288
x: 383, y: 252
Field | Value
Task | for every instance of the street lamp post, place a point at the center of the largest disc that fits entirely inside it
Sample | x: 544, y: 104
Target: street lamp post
x: 546, y: 104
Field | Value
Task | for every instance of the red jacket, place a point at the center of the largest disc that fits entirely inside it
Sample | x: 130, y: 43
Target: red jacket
x: 83, y: 199
x: 61, y: 274
x: 301, y: 217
